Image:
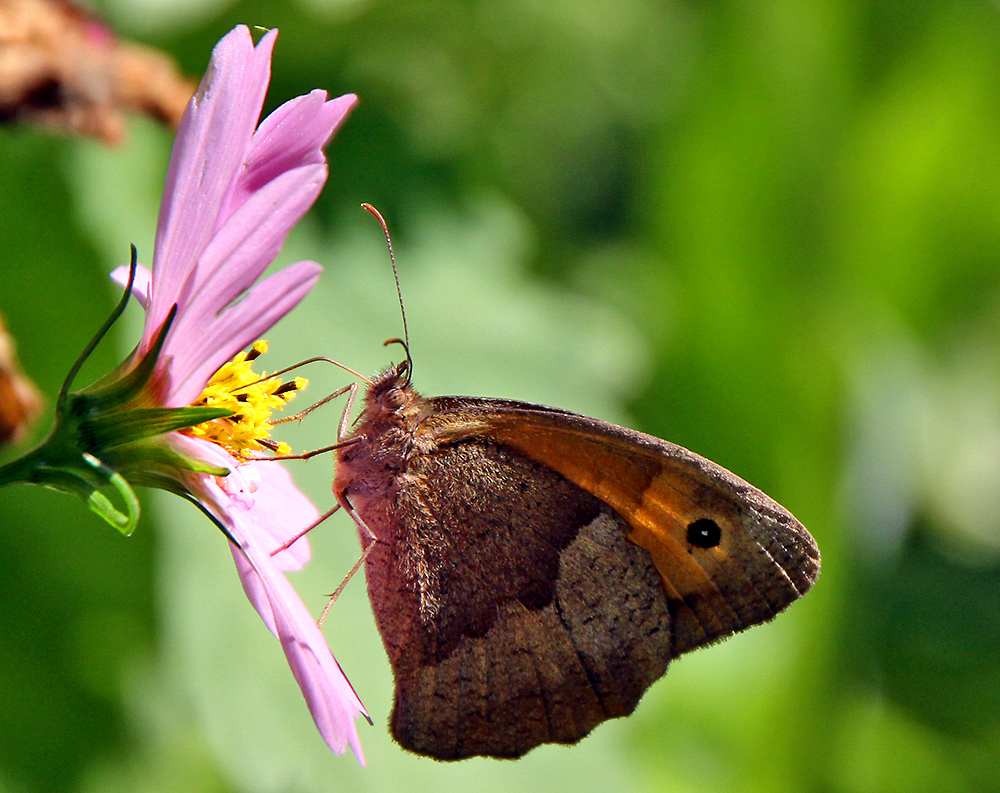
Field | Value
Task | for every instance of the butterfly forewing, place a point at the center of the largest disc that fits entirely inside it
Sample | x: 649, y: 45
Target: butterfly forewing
x: 761, y: 561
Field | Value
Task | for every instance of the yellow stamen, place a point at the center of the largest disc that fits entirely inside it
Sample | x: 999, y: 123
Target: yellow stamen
x: 237, y: 387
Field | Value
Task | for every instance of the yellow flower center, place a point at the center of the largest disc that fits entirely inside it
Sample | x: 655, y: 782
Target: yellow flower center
x: 251, y: 397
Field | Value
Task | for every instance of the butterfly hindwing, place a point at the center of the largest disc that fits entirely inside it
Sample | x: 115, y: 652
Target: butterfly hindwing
x: 513, y: 624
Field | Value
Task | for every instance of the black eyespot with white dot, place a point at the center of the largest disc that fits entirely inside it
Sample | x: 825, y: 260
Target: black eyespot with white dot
x: 704, y: 533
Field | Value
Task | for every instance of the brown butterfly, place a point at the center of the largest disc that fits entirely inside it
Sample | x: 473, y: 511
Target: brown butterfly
x: 533, y: 571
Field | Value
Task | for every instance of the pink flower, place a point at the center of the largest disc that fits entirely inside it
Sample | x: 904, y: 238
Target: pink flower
x: 233, y: 192
x: 232, y: 195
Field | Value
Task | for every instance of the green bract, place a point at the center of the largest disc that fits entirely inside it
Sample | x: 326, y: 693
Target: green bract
x: 105, y: 436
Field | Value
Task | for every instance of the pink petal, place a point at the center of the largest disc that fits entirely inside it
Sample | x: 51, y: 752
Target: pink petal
x: 209, y: 150
x: 203, y: 451
x: 280, y: 512
x: 292, y: 136
x: 201, y: 351
x: 247, y: 243
x: 232, y: 195
x: 263, y: 493
x: 333, y: 703
x: 141, y: 286
x: 253, y: 588
x: 331, y: 700
x: 231, y: 198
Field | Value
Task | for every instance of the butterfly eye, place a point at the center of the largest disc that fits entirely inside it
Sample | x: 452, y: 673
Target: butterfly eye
x: 394, y: 398
x: 704, y: 533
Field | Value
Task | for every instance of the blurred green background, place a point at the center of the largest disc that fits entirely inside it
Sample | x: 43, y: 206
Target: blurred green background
x: 768, y: 231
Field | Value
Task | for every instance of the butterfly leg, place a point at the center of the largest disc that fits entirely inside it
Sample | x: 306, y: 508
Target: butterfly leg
x: 341, y: 431
x: 357, y: 565
x: 345, y: 416
x: 305, y: 531
x: 351, y: 391
x: 351, y: 572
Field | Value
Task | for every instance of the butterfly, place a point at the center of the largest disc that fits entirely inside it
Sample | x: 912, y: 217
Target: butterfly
x: 533, y: 571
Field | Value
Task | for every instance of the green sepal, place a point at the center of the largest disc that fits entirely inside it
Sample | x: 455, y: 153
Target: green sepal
x: 83, y: 480
x: 78, y: 482
x: 218, y: 523
x: 115, y: 390
x: 101, y: 505
x: 119, y: 309
x: 116, y: 429
x: 105, y: 436
x: 139, y: 460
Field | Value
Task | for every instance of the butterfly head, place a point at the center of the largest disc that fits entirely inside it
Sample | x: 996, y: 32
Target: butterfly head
x: 391, y: 397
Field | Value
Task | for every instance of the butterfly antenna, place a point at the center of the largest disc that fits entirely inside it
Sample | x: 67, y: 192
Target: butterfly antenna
x: 399, y: 292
